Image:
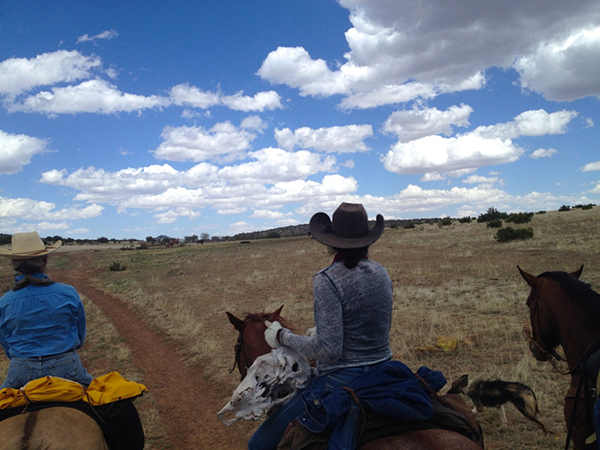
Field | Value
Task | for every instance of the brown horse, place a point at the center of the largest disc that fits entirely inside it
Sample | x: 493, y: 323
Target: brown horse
x: 251, y: 341
x: 251, y: 344
x: 565, y: 311
x: 54, y: 428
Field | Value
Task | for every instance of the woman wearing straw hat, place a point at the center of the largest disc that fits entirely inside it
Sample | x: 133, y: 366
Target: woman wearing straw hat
x: 42, y: 323
x: 352, y: 313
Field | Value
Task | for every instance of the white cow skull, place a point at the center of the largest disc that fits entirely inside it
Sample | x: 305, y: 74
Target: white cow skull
x: 272, y: 380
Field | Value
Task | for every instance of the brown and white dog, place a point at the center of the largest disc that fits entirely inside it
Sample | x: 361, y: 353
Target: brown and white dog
x: 496, y: 393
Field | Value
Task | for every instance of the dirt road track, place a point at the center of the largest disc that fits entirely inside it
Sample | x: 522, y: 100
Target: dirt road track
x: 186, y: 406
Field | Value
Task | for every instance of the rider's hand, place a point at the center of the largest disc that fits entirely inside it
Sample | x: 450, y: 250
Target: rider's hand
x: 311, y: 331
x: 271, y: 333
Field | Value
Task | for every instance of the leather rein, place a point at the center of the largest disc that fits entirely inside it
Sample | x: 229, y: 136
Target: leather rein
x: 239, y: 348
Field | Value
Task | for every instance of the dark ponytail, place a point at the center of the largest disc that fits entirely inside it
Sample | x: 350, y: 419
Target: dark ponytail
x: 351, y: 256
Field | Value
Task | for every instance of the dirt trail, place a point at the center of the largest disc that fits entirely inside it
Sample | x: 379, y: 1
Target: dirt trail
x: 185, y: 405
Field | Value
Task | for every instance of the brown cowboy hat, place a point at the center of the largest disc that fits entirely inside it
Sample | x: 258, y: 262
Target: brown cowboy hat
x: 348, y: 229
x: 27, y: 246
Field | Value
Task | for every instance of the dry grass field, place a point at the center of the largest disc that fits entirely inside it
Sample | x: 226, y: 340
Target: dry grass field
x: 454, y: 281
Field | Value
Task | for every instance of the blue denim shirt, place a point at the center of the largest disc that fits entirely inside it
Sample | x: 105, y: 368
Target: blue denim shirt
x: 390, y: 389
x: 41, y: 320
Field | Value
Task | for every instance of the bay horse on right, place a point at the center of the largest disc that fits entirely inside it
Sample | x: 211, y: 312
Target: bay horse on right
x: 566, y: 311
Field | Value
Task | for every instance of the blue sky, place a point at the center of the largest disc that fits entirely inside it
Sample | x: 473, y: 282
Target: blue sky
x: 131, y: 119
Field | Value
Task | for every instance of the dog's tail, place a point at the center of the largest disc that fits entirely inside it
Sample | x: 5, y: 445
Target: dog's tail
x: 525, y: 401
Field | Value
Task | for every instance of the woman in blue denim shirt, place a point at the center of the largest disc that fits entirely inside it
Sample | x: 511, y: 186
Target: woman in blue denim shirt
x: 42, y: 323
x: 352, y: 313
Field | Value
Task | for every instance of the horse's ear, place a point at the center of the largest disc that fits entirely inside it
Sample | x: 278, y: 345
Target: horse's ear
x: 237, y: 323
x: 577, y: 273
x: 277, y: 313
x: 530, y: 279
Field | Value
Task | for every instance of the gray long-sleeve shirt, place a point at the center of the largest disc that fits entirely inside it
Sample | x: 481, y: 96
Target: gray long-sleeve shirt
x: 353, y: 315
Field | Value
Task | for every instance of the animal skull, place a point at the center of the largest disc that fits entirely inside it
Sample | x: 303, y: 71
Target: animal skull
x: 273, y: 379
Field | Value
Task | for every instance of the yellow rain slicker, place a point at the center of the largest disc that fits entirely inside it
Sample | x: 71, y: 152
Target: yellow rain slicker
x: 105, y: 389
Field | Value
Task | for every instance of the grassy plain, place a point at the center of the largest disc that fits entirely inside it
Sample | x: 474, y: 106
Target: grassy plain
x: 454, y: 281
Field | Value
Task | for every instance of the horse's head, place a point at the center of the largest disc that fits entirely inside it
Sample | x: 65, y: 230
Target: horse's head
x: 251, y: 341
x: 545, y: 337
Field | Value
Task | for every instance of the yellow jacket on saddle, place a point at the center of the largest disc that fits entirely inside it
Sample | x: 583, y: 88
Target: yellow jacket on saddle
x: 105, y: 389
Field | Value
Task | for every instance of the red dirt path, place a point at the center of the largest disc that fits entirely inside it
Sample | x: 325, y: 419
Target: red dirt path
x: 185, y: 403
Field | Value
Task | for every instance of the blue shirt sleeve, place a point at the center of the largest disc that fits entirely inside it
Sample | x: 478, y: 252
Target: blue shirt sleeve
x: 81, y: 326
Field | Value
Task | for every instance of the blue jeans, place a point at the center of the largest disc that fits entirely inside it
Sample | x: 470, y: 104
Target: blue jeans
x: 269, y: 434
x: 66, y: 365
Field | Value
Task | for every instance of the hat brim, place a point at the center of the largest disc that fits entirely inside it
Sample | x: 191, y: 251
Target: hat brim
x: 11, y: 255
x: 320, y: 229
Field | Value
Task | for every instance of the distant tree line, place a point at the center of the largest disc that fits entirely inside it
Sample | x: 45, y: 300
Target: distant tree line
x: 6, y: 239
x: 492, y: 217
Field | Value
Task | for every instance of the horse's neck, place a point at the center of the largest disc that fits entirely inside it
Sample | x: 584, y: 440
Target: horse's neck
x: 578, y: 320
x: 576, y: 336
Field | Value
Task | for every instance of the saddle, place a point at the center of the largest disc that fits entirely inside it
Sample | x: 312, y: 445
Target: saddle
x: 450, y: 412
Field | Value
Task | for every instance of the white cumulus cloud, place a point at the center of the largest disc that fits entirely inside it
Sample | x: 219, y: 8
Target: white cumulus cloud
x: 186, y: 95
x: 399, y: 52
x: 564, y: 68
x: 18, y: 75
x: 438, y: 154
x: 29, y: 209
x: 418, y: 122
x: 484, y: 146
x: 591, y: 167
x: 16, y: 151
x: 222, y: 142
x: 92, y: 96
x: 340, y: 139
x: 543, y: 153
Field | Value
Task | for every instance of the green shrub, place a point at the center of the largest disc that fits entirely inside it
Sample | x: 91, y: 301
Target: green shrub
x: 564, y: 208
x: 491, y: 214
x: 465, y: 220
x: 519, y: 217
x: 117, y: 267
x: 446, y: 221
x: 496, y: 223
x: 408, y: 225
x: 510, y: 234
x: 588, y: 206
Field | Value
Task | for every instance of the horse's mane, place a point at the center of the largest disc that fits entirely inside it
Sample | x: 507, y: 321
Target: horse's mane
x: 261, y: 317
x: 578, y: 287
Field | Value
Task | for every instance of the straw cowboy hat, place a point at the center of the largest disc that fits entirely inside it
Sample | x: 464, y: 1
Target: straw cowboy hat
x: 348, y: 229
x: 28, y: 245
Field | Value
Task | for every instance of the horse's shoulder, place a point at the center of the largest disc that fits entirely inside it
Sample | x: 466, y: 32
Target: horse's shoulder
x: 56, y: 428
